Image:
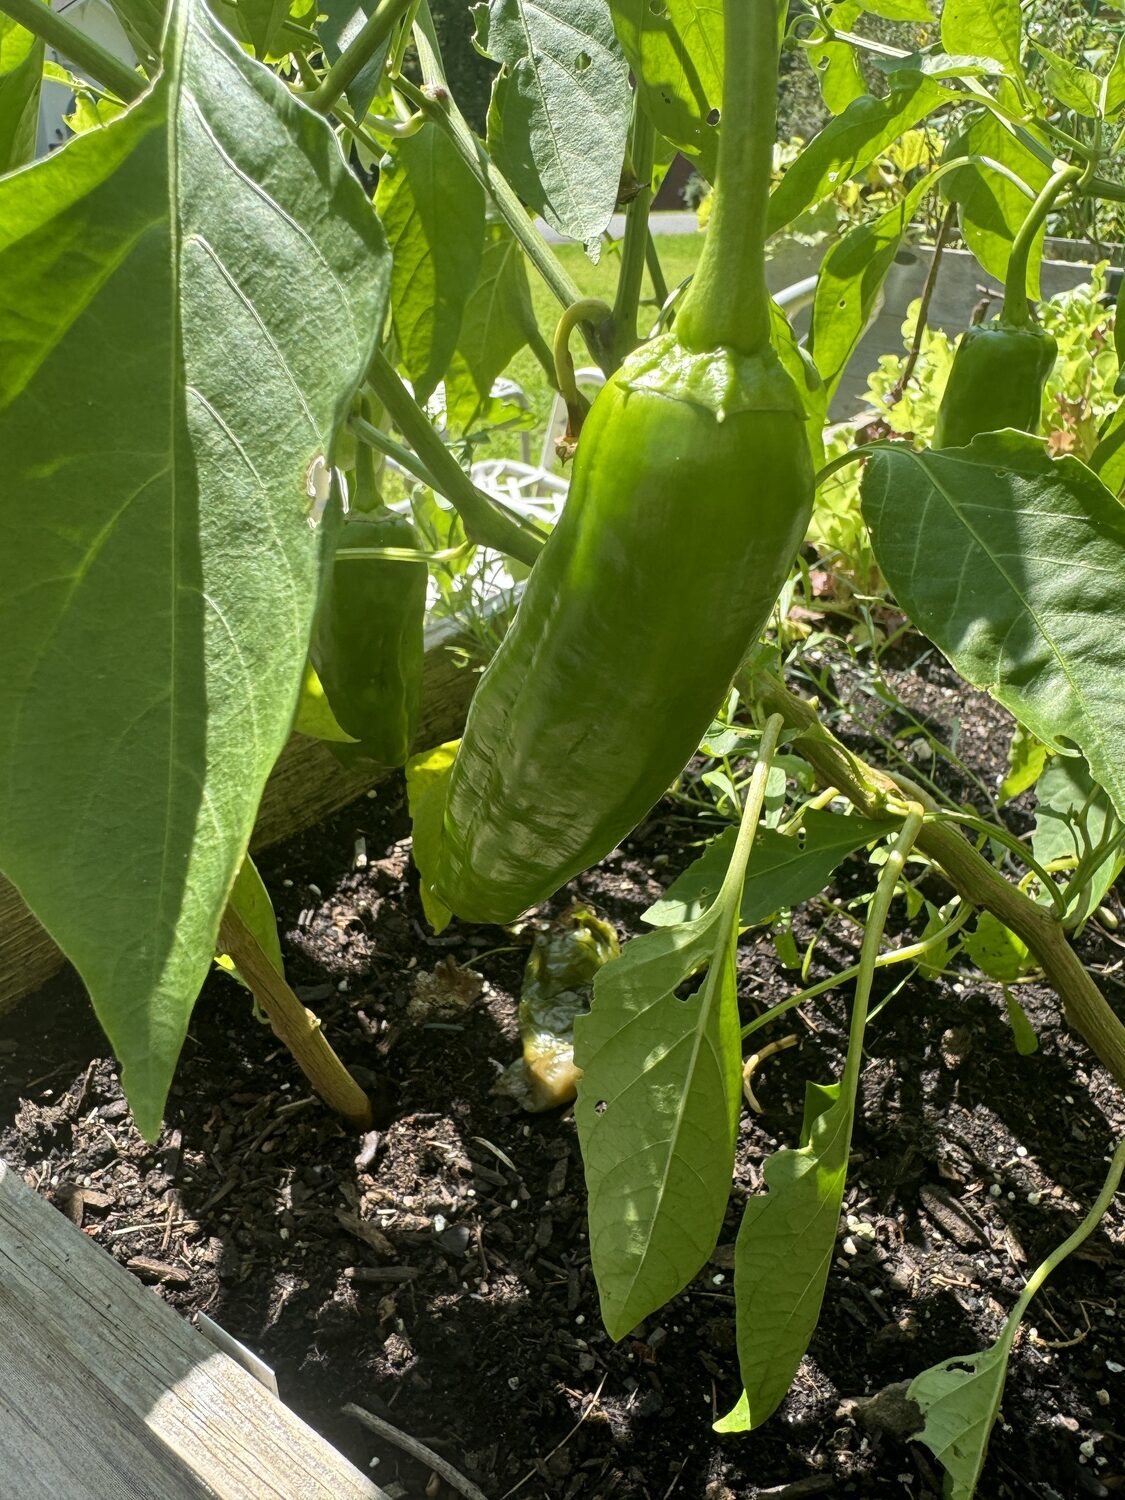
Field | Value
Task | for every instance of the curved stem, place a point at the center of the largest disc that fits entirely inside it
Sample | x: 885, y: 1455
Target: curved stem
x: 1015, y: 846
x: 634, y: 246
x: 382, y: 442
x: 1016, y: 313
x: 355, y: 57
x: 728, y: 301
x: 585, y: 310
x: 77, y: 47
x: 872, y: 937
x: 486, y: 521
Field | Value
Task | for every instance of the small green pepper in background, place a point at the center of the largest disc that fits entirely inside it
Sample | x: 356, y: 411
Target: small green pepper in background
x: 692, y: 490
x: 367, y: 642
x: 1001, y: 367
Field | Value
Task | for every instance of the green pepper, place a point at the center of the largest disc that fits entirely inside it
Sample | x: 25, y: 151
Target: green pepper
x: 367, y: 640
x: 997, y: 380
x: 1001, y: 367
x: 691, y: 492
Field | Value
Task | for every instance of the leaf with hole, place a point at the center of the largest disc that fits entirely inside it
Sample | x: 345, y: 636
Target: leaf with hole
x: 221, y: 235
x: 675, y: 51
x: 559, y: 114
x: 1009, y: 560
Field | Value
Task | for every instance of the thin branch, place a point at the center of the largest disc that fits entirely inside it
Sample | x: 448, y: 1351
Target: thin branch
x: 416, y: 1450
x: 924, y: 306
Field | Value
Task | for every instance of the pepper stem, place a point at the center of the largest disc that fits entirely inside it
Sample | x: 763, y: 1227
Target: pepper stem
x: 728, y: 301
x: 1016, y: 312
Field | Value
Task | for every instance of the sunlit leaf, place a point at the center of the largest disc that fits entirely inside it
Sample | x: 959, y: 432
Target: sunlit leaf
x: 427, y: 778
x: 675, y: 51
x: 158, y: 572
x: 21, y: 68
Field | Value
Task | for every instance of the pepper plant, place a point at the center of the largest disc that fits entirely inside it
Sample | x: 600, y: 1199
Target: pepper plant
x: 214, y: 334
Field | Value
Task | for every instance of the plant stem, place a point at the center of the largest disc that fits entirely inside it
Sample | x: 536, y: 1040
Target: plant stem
x: 437, y: 104
x: 731, y: 889
x: 728, y: 301
x: 359, y: 52
x: 626, y: 304
x: 655, y: 270
x: 903, y: 955
x: 967, y: 871
x: 585, y: 310
x: 90, y: 56
x: 293, y: 1024
x: 872, y: 938
x: 924, y: 306
x: 487, y: 522
x: 1016, y: 313
x: 406, y: 458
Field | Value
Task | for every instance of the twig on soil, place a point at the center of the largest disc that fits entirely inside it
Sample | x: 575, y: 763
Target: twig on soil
x: 531, y: 1473
x: 416, y: 1450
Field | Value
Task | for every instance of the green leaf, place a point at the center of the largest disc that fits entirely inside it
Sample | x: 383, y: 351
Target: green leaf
x: 783, y: 870
x: 848, y: 145
x: 959, y: 1399
x: 837, y: 69
x: 21, y: 69
x: 143, y: 23
x: 314, y: 716
x: 432, y: 208
x: 1073, y: 87
x: 251, y: 901
x: 1113, y: 86
x: 675, y: 51
x: 657, y: 1114
x: 1072, y: 819
x: 934, y: 62
x: 806, y: 377
x: 991, y: 208
x: 783, y: 1253
x: 1108, y: 458
x: 1023, y: 1032
x: 900, y: 10
x: 995, y: 949
x: 158, y: 572
x: 560, y: 108
x: 991, y: 27
x: 427, y: 779
x: 342, y: 22
x: 1026, y: 758
x: 851, y: 277
x: 658, y: 1102
x: 1010, y: 561
x: 494, y: 328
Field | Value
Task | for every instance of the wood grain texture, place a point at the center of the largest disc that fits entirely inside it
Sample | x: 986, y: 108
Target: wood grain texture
x: 307, y: 784
x: 107, y: 1394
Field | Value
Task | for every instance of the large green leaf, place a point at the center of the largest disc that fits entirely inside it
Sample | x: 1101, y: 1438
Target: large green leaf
x: 784, y: 869
x: 143, y: 23
x: 989, y: 27
x: 202, y: 281
x: 849, y: 144
x: 497, y: 320
x: 657, y: 1113
x: 851, y: 278
x: 560, y: 107
x: 991, y: 207
x: 432, y: 208
x: 675, y: 51
x: 1011, y: 562
x: 783, y: 1252
x: 21, y: 70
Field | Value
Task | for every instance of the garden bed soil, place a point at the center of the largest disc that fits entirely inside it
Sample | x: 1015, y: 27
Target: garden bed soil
x: 437, y: 1271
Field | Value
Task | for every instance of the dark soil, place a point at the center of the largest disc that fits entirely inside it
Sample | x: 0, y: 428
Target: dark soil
x: 437, y: 1272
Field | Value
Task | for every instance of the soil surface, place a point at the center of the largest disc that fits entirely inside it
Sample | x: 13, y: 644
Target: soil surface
x: 437, y: 1271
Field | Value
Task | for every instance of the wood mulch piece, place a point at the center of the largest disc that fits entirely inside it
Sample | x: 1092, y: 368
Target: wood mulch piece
x: 436, y: 1272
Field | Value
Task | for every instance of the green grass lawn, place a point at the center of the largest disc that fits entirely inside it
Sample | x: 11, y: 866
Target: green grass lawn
x: 678, y: 257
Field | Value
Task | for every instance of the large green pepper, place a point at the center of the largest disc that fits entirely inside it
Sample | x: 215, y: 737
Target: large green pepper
x: 692, y: 489
x: 997, y: 380
x: 1001, y: 367
x: 367, y: 640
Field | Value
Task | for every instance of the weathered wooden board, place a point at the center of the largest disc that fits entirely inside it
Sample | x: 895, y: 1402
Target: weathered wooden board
x: 307, y: 784
x: 106, y: 1393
